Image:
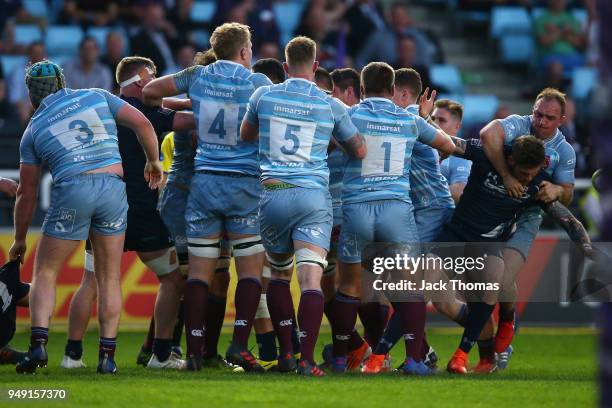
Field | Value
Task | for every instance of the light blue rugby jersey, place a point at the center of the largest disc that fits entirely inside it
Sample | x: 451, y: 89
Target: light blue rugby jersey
x: 560, y: 155
x: 296, y: 121
x: 428, y: 187
x: 220, y: 93
x: 456, y: 170
x: 73, y: 131
x: 335, y: 162
x: 181, y: 169
x: 390, y: 133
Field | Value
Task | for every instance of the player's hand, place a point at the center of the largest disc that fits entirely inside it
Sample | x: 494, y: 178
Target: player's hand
x: 426, y: 103
x: 18, y: 250
x: 549, y: 192
x: 514, y: 188
x: 153, y: 174
x: 8, y: 186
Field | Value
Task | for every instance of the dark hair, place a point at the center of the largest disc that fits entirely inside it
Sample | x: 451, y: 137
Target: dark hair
x: 453, y: 107
x: 129, y: 66
x: 409, y: 78
x: 272, y: 68
x: 377, y: 77
x: 528, y: 151
x: 346, y: 77
x: 322, y: 77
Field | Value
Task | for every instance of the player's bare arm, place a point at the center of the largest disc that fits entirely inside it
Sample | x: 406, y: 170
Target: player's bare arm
x: 27, y: 195
x: 443, y: 143
x: 183, y: 121
x: 249, y: 132
x: 177, y: 104
x: 8, y: 186
x: 155, y: 91
x: 355, y: 146
x: 550, y: 192
x: 492, y: 137
x: 134, y: 119
x: 574, y: 228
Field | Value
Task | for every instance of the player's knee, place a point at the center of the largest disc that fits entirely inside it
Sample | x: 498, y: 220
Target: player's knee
x: 164, y: 264
x: 247, y: 246
x: 204, y: 247
x: 281, y: 269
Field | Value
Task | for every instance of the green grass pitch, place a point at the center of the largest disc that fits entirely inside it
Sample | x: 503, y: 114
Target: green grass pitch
x: 551, y: 367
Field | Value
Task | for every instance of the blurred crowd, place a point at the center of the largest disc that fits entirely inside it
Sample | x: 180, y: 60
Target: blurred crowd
x: 349, y: 33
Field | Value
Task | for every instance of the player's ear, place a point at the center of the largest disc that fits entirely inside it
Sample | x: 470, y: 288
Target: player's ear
x: 315, y: 66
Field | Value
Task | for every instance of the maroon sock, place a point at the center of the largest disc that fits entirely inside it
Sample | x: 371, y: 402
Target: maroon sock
x: 310, y: 314
x: 248, y: 292
x: 373, y: 316
x: 412, y: 317
x: 344, y: 316
x: 280, y: 306
x: 196, y: 299
x: 215, y: 313
x: 148, y: 343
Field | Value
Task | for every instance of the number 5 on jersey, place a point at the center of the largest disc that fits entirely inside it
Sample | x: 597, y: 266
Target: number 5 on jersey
x: 291, y: 140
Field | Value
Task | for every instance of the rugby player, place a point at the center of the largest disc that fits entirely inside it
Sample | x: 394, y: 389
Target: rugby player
x: 486, y: 213
x: 295, y: 121
x: 448, y: 116
x: 225, y: 190
x: 146, y: 232
x: 548, y: 114
x: 75, y: 133
x: 376, y: 205
x: 13, y: 293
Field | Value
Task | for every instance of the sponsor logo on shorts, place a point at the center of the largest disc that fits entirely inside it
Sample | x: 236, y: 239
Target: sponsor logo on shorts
x: 114, y: 224
x: 240, y: 323
x: 287, y: 322
x: 314, y: 232
x: 197, y: 333
x: 65, y: 220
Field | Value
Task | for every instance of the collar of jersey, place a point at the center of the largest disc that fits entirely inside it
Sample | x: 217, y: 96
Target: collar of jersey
x: 230, y: 62
x: 50, y: 98
x: 299, y: 79
x: 378, y: 99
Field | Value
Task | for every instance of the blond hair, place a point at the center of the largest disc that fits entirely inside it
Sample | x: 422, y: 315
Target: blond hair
x: 553, y: 94
x: 204, y: 57
x: 300, y: 52
x: 228, y: 39
x: 454, y: 108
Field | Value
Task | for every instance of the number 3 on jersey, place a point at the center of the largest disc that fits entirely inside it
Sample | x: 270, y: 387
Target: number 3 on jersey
x: 291, y: 140
x: 219, y: 123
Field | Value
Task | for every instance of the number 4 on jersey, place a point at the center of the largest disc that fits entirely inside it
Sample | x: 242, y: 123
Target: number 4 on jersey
x: 217, y: 127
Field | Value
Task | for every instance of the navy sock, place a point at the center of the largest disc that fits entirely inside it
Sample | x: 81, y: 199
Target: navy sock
x: 161, y: 348
x: 267, y: 346
x: 39, y: 335
x: 344, y: 316
x: 478, y: 315
x: 74, y: 349
x: 107, y: 346
x: 391, y: 336
x: 486, y: 349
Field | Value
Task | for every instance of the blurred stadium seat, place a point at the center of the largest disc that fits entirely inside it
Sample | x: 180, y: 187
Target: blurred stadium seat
x: 287, y: 18
x: 478, y: 108
x: 100, y: 33
x: 516, y: 48
x: 202, y: 11
x: 63, y: 40
x: 27, y: 33
x: 509, y: 20
x: 200, y: 38
x: 9, y: 62
x: 584, y: 80
x: 36, y: 8
x: 446, y: 76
